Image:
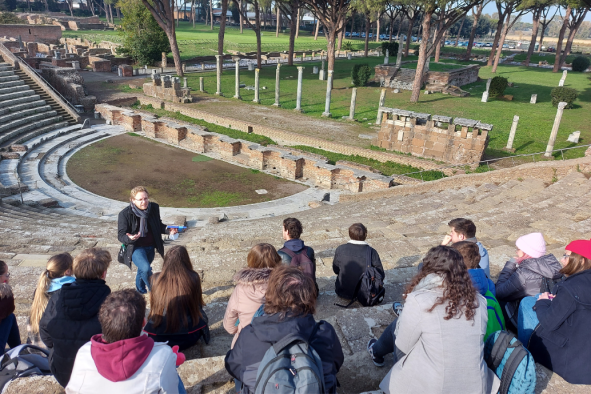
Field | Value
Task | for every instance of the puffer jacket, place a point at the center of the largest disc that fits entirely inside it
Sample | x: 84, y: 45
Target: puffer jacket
x: 255, y: 339
x: 247, y: 297
x: 481, y: 282
x: 518, y: 281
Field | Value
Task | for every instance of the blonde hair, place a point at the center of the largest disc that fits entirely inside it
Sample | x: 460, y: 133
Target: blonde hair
x: 56, y: 268
x: 136, y: 190
x: 91, y: 263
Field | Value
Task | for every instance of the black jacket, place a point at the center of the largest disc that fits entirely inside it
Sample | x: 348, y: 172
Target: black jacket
x: 256, y: 338
x: 349, y: 264
x: 129, y: 223
x: 184, y: 338
x: 561, y: 340
x: 69, y: 321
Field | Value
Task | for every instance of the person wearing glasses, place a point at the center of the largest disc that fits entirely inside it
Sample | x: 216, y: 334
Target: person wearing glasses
x: 139, y: 229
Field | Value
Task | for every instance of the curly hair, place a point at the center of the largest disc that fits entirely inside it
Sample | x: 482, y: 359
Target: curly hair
x: 458, y: 291
x: 290, y: 291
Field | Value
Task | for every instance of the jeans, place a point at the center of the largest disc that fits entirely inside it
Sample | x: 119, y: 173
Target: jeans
x: 182, y: 389
x: 386, y: 344
x: 527, y: 319
x: 142, y: 258
x: 9, y: 333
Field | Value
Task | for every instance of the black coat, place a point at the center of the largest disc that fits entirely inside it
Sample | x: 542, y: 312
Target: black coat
x: 561, y: 340
x: 264, y: 331
x: 69, y: 321
x: 128, y: 222
x: 184, y: 338
x: 349, y: 264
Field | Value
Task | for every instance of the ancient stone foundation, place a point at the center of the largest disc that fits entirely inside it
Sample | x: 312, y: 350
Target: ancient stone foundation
x: 457, y: 141
x: 395, y: 77
x: 167, y: 88
x: 70, y: 84
x: 284, y: 162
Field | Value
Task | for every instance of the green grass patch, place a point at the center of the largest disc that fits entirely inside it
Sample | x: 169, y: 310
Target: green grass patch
x: 214, y: 198
x: 200, y: 158
x: 122, y: 87
x: 133, y: 134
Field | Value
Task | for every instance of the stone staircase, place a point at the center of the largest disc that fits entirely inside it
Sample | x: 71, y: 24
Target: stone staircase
x: 402, y: 228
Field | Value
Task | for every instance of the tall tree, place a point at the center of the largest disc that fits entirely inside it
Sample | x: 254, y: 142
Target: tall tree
x: 460, y: 29
x: 290, y: 9
x: 544, y: 21
x: 578, y: 15
x: 536, y: 7
x: 392, y: 10
x: 503, y: 7
x: 506, y: 27
x: 162, y: 11
x: 256, y: 26
x: 412, y: 12
x: 476, y: 15
x: 565, y: 22
x: 222, y: 31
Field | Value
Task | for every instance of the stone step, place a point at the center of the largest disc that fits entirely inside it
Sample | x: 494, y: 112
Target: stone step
x: 31, y: 120
x: 9, y: 78
x: 5, y: 98
x: 23, y: 217
x: 23, y: 113
x: 40, y: 126
x: 10, y: 84
x: 21, y: 103
x: 6, y: 73
x: 14, y: 89
x: 21, y: 139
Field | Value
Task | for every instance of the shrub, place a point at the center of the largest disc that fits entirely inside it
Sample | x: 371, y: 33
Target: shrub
x: 10, y: 18
x: 498, y: 86
x: 390, y: 46
x: 360, y: 74
x: 581, y: 63
x: 567, y: 95
x: 347, y: 46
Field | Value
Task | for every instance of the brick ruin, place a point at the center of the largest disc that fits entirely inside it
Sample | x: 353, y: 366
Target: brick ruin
x: 392, y: 76
x: 457, y: 141
x: 167, y: 88
x: 70, y: 84
x: 287, y: 163
x: 65, y: 22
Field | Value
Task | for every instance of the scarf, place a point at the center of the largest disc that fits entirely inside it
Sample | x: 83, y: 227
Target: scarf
x: 57, y: 283
x: 143, y: 215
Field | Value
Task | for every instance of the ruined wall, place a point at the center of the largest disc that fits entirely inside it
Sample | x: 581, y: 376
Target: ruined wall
x: 70, y: 84
x: 391, y: 76
x: 458, y: 77
x: 461, y: 141
x: 167, y: 88
x: 32, y: 33
x: 285, y: 163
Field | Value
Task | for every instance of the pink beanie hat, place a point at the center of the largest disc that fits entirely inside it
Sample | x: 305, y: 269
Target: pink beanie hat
x: 533, y: 244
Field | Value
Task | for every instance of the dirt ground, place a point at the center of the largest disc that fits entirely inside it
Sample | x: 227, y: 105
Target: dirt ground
x: 174, y: 177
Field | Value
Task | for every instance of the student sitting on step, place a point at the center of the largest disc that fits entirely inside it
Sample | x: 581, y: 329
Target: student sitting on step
x: 437, y: 340
x: 290, y: 305
x: 294, y: 252
x: 121, y: 360
x: 58, y: 272
x: 350, y: 261
x: 9, y: 332
x: 251, y: 285
x: 464, y: 230
x: 71, y: 316
x: 176, y: 302
x: 471, y: 255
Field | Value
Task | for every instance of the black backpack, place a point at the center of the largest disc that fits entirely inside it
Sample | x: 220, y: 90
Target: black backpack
x: 22, y: 361
x: 370, y: 289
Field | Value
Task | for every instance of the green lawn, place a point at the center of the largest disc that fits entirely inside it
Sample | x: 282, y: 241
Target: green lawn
x: 547, y: 56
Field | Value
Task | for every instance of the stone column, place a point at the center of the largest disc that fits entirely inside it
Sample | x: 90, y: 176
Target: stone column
x: 185, y: 83
x: 512, y: 133
x: 277, y: 81
x: 321, y: 73
x: 201, y: 84
x: 380, y: 105
x: 488, y: 81
x: 349, y: 56
x: 484, y: 97
x: 552, y: 139
x: 256, y: 86
x: 326, y: 112
x: 533, y: 99
x: 164, y: 60
x: 387, y: 57
x: 20, y: 43
x: 399, y: 55
x: 218, y: 64
x: 202, y: 66
x: 352, y: 107
x: 561, y: 82
x: 237, y: 83
x: 298, y: 107
x: 184, y: 67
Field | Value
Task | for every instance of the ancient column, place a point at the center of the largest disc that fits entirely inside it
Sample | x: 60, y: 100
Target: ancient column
x: 237, y: 83
x: 512, y: 133
x: 164, y: 60
x: 399, y: 55
x: 550, y: 147
x: 352, y: 107
x: 380, y: 105
x: 488, y: 81
x: 484, y: 97
x: 387, y: 57
x: 533, y: 99
x: 321, y: 73
x: 256, y: 86
x: 201, y: 84
x: 299, y: 91
x: 326, y: 112
x: 218, y: 64
x: 561, y: 82
x: 185, y: 83
x: 277, y: 80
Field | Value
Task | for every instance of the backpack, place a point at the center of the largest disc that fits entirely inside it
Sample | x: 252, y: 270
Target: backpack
x: 548, y: 284
x: 21, y: 361
x: 511, y: 362
x: 496, y: 322
x: 370, y: 289
x: 301, y: 259
x: 291, y: 366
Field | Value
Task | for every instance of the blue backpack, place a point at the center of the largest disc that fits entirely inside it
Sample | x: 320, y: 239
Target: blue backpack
x: 511, y: 362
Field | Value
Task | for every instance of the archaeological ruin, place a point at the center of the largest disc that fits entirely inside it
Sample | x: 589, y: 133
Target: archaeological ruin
x: 398, y: 77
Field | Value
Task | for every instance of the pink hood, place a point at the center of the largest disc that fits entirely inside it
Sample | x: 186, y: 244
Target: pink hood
x: 118, y: 361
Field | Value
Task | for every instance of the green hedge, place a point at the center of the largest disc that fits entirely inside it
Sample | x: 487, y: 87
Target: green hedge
x: 581, y: 63
x: 563, y: 94
x: 498, y: 86
x: 360, y: 74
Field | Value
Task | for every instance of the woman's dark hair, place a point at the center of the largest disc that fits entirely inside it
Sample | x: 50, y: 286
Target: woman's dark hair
x: 176, y: 292
x: 3, y: 267
x: 458, y: 291
x: 470, y: 253
x: 290, y: 290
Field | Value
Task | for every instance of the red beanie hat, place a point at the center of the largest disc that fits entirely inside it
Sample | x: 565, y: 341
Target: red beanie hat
x: 581, y: 246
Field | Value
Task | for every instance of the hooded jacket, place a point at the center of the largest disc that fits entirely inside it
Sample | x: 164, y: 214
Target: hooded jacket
x: 131, y: 366
x: 69, y: 321
x: 255, y: 339
x: 297, y: 246
x: 247, y: 297
x: 349, y: 263
x: 481, y: 281
x: 525, y: 279
x: 561, y: 341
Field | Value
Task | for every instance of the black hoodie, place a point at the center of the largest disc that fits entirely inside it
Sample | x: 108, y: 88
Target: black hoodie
x: 69, y: 321
x: 255, y: 339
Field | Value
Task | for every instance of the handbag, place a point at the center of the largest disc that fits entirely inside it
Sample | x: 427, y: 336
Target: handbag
x: 121, y: 254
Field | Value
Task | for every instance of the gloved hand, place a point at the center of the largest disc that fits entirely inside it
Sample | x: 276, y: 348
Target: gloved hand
x: 180, y: 357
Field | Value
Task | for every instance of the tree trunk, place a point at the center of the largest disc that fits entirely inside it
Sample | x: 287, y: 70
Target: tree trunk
x: 175, y: 51
x: 491, y: 57
x: 352, y: 22
x: 542, y: 37
x: 560, y: 38
x: 418, y: 82
x: 222, y: 27
x: 574, y: 28
x: 241, y: 20
x: 367, y: 25
x: 292, y: 31
x: 178, y: 14
x: 278, y: 19
x: 211, y: 13
x: 70, y: 7
x: 340, y: 43
x: 257, y: 32
x: 534, y: 35
x: 473, y: 31
x: 317, y: 28
x: 89, y: 3
x: 400, y: 26
x: 193, y: 12
x: 438, y: 42
x: 391, y: 29
x: 330, y: 33
x: 460, y: 31
x: 501, y: 42
x: 411, y: 23
x: 378, y: 30
x: 298, y: 25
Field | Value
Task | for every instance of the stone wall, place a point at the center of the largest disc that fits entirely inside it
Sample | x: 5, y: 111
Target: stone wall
x: 166, y: 88
x: 457, y: 77
x: 461, y: 141
x: 32, y: 33
x: 389, y: 75
x: 99, y: 64
x: 70, y: 84
x: 282, y: 162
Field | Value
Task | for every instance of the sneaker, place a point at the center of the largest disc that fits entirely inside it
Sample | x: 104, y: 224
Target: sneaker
x: 397, y: 308
x: 378, y: 361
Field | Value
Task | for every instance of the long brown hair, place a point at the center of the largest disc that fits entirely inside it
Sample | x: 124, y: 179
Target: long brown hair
x: 56, y: 268
x: 176, y: 292
x: 458, y: 291
x: 263, y: 256
x: 576, y: 263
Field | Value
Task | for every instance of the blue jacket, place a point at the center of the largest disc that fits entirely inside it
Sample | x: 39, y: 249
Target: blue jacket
x: 481, y: 282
